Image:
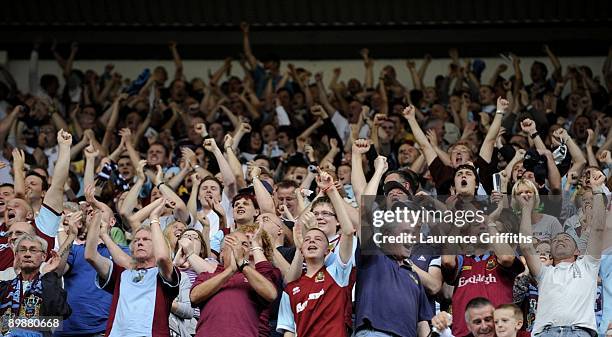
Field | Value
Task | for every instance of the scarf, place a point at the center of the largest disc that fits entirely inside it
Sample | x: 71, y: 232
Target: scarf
x: 20, y: 303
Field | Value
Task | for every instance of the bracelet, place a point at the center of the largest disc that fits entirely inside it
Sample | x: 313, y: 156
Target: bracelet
x: 154, y: 220
x: 158, y: 185
x: 326, y: 189
x: 256, y: 248
x: 534, y: 135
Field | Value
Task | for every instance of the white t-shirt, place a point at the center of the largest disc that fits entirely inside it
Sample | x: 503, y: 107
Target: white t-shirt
x: 567, y: 293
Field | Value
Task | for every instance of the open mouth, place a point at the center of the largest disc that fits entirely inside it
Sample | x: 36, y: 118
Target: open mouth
x: 312, y: 248
x: 464, y: 183
x: 240, y: 211
x: 11, y: 215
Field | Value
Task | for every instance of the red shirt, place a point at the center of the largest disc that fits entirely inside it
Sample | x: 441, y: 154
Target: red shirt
x: 481, y: 276
x: 316, y: 306
x: 235, y: 309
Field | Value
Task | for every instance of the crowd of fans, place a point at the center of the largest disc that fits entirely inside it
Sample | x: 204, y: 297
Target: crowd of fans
x: 233, y: 206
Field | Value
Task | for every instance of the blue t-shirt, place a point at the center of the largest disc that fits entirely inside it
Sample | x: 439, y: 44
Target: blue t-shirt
x: 385, y: 291
x: 90, y: 304
x: 605, y: 272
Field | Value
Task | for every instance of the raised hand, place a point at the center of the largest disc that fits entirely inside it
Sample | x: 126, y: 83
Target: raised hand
x: 254, y: 171
x: 90, y: 195
x: 126, y: 136
x: 228, y: 141
x: 605, y: 157
x: 18, y: 159
x: 502, y: 105
x: 200, y: 128
x: 561, y: 134
x: 528, y: 126
x: 380, y: 164
x: 591, y: 138
x: 159, y: 176
x: 309, y: 152
x: 91, y: 153
x: 317, y: 110
x: 140, y: 170
x: 244, y: 27
x: 333, y: 144
x: 432, y: 137
x: 64, y: 138
x: 186, y: 245
x: 52, y: 263
x: 409, y: 112
x: 324, y: 180
x: 157, y: 211
x: 210, y: 145
x: 74, y: 220
x: 361, y: 146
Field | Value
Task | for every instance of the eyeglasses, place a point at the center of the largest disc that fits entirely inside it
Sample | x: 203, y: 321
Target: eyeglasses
x: 31, y: 250
x: 324, y: 214
x: 192, y: 237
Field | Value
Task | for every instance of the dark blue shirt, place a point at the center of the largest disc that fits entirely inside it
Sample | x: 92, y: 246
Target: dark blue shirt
x: 90, y: 305
x: 389, y: 297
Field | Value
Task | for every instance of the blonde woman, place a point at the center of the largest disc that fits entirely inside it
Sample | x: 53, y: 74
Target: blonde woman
x: 545, y: 226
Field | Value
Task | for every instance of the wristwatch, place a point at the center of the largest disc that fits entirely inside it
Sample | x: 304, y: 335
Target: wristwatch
x: 244, y: 263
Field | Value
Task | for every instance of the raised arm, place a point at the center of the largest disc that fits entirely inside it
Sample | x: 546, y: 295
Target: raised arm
x: 112, y: 122
x: 131, y: 200
x: 417, y: 82
x: 119, y: 256
x: 528, y: 250
x: 486, y: 151
x: 54, y: 198
x: 578, y: 160
x: 326, y: 183
x: 323, y: 95
x: 233, y: 161
x: 428, y: 150
x: 246, y: 45
x: 90, y: 162
x: 264, y: 199
x: 7, y: 122
x: 160, y: 248
x: 368, y: 63
x: 229, y: 180
x: 598, y: 219
x: 137, y: 218
x: 555, y: 62
x: 19, y: 173
x: 180, y: 209
x: 100, y: 263
x: 178, y: 63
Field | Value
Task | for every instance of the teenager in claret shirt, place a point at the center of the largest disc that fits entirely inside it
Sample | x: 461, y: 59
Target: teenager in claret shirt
x: 47, y: 220
x: 488, y: 270
x: 315, y: 304
x: 143, y: 291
